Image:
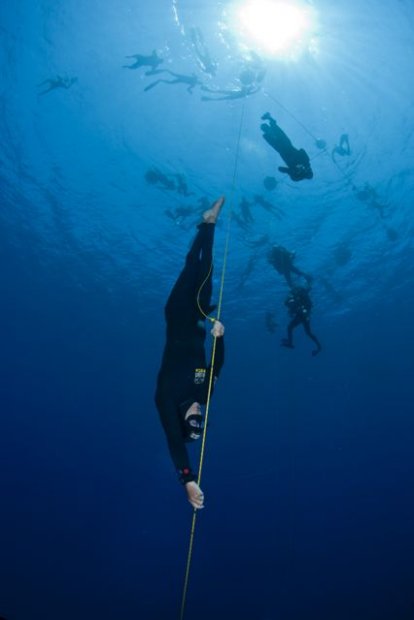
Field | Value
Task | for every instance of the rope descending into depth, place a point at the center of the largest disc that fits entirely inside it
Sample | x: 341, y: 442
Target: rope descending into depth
x: 213, y: 355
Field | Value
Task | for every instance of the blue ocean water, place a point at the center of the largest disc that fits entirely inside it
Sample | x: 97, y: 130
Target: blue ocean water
x: 309, y: 468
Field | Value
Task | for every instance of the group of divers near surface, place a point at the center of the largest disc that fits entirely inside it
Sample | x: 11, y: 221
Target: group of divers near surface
x: 184, y: 382
x: 246, y: 82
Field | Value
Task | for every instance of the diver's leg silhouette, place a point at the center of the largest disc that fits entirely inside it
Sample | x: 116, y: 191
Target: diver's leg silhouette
x: 306, y: 326
x: 182, y: 302
x: 159, y: 81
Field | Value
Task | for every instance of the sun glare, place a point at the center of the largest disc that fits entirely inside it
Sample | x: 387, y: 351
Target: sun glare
x: 277, y: 28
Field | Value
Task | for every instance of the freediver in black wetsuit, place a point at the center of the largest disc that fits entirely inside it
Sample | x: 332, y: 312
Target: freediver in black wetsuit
x: 297, y: 160
x: 299, y: 306
x: 183, y: 379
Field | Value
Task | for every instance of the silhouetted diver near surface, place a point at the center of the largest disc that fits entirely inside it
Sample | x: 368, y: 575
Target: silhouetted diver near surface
x: 57, y: 82
x: 282, y: 260
x: 297, y: 160
x: 369, y: 195
x: 182, y: 187
x: 191, y: 80
x: 154, y: 176
x: 276, y: 211
x: 184, y: 378
x: 152, y: 61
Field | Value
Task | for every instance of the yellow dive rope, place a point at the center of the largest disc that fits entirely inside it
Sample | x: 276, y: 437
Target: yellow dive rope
x: 213, y: 355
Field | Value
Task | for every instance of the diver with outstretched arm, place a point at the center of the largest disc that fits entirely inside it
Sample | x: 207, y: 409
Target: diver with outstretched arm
x: 183, y: 379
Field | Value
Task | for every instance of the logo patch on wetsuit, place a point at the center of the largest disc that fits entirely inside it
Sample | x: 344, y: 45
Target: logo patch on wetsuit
x: 199, y: 375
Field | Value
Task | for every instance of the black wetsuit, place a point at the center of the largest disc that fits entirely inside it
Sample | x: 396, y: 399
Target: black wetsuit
x: 299, y: 306
x: 183, y: 377
x: 296, y: 160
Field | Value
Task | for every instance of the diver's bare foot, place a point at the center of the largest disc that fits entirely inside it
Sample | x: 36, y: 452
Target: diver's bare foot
x: 210, y: 216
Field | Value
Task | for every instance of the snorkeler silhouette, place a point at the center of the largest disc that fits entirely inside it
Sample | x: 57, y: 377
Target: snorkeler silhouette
x: 191, y: 80
x: 145, y: 61
x: 182, y: 187
x: 245, y: 211
x: 276, y: 211
x: 153, y: 176
x: 282, y: 260
x: 296, y: 160
x: 57, y: 82
x: 369, y: 195
x: 204, y: 60
x: 342, y: 148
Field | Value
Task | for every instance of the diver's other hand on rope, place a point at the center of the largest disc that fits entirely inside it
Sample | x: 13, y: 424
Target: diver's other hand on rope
x: 218, y: 329
x: 195, y: 495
